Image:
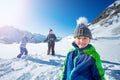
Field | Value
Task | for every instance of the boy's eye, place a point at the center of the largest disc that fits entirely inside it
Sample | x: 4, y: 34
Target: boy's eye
x: 78, y: 38
x: 81, y: 37
x: 84, y: 38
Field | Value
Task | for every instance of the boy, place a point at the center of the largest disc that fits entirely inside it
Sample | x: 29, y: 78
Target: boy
x: 51, y: 42
x: 23, y: 49
x: 82, y: 61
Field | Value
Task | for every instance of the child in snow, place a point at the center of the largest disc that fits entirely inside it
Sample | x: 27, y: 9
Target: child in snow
x: 51, y: 42
x: 83, y: 61
x: 23, y: 49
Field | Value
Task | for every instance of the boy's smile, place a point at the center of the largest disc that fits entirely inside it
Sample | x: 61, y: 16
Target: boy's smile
x: 82, y: 41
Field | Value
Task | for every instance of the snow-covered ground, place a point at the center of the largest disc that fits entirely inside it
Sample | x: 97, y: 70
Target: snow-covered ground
x: 40, y: 66
x: 37, y: 66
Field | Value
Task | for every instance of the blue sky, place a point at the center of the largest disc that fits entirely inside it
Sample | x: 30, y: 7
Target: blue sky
x: 37, y: 16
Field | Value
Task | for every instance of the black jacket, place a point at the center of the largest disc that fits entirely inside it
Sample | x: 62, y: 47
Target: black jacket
x: 51, y: 39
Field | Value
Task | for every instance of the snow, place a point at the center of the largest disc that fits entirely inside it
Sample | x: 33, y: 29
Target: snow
x: 40, y: 66
x: 112, y: 30
x: 37, y: 66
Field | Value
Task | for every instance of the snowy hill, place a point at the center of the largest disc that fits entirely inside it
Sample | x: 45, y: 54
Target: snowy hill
x: 108, y: 13
x: 111, y: 30
x: 40, y: 66
x: 9, y: 34
x: 107, y: 25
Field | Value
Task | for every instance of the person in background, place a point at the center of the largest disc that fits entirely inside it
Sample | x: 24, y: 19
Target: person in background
x: 83, y: 61
x: 23, y: 49
x: 51, y: 37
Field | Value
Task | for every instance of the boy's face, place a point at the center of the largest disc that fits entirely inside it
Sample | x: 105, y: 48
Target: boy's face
x: 50, y: 32
x: 82, y: 41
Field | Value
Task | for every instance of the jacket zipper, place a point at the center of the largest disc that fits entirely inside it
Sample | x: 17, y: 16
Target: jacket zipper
x: 74, y: 64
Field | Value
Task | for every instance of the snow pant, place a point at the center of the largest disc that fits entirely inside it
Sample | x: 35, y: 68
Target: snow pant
x: 22, y: 51
x: 51, y: 48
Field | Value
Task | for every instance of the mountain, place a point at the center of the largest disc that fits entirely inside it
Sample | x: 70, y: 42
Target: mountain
x: 108, y: 23
x: 40, y: 66
x: 9, y: 34
x: 108, y: 13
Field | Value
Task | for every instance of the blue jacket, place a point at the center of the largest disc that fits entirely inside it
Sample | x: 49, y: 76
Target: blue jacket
x: 82, y: 64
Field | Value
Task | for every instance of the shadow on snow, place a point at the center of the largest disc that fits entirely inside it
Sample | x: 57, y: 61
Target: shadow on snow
x: 114, y: 63
x: 50, y: 62
x: 59, y: 56
x: 112, y: 72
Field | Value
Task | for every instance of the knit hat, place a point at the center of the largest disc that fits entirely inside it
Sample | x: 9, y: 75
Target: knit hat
x: 50, y: 30
x: 82, y: 30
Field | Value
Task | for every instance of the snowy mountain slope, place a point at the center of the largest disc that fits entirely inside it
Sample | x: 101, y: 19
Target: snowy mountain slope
x: 111, y: 30
x: 9, y: 34
x: 108, y: 22
x: 108, y: 13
